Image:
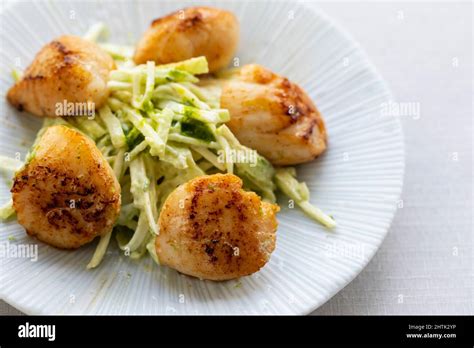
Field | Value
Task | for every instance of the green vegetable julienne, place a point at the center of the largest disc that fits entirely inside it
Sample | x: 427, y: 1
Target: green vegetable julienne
x: 197, y: 129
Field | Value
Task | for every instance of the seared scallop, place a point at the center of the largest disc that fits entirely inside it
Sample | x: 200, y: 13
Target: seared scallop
x: 188, y: 33
x: 67, y: 194
x: 68, y: 69
x: 211, y: 228
x: 272, y: 115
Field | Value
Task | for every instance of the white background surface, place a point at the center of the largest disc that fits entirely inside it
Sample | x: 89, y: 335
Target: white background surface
x: 426, y: 264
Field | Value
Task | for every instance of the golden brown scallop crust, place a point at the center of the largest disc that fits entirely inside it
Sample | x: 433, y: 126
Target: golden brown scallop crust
x: 188, y: 33
x: 68, y: 69
x: 210, y: 228
x: 273, y: 115
x: 67, y: 194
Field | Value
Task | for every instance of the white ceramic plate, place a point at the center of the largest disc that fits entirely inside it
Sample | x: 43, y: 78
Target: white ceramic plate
x: 358, y: 179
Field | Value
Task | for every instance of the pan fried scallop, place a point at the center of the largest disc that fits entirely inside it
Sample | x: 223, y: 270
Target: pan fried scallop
x: 68, y: 69
x: 188, y: 33
x: 211, y: 228
x: 272, y: 115
x: 67, y: 194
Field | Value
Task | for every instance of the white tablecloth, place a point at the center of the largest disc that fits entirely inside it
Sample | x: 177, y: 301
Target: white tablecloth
x: 425, y: 265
